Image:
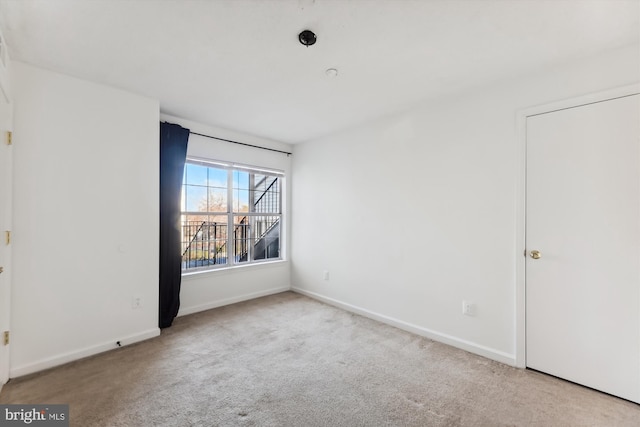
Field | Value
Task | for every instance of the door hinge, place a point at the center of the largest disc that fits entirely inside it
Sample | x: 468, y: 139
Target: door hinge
x: 7, y: 237
x: 5, y: 338
x: 9, y: 137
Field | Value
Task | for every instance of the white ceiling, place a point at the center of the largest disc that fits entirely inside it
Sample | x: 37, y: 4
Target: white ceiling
x: 237, y: 64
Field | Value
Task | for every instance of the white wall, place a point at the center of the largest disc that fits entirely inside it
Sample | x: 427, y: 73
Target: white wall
x: 85, y: 226
x: 205, y: 290
x: 415, y: 213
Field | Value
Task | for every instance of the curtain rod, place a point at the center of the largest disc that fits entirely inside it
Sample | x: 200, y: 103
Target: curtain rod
x: 241, y: 143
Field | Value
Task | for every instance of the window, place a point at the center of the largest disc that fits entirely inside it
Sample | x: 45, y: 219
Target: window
x: 231, y: 215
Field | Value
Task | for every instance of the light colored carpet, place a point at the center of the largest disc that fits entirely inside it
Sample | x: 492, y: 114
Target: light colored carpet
x: 287, y: 360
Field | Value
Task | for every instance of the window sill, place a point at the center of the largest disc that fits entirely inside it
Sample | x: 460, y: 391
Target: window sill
x: 233, y: 269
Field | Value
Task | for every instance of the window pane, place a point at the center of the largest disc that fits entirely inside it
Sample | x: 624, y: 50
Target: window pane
x: 195, y: 198
x: 195, y: 174
x: 204, y: 241
x: 240, y: 200
x: 265, y: 237
x: 241, y: 180
x: 260, y: 182
x: 217, y: 200
x: 266, y: 195
x: 217, y: 177
x: 241, y: 238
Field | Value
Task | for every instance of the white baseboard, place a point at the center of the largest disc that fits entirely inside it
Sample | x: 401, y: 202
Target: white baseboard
x: 231, y: 300
x: 81, y: 353
x: 490, y: 353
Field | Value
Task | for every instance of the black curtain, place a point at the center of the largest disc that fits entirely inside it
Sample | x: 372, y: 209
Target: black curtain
x: 173, y: 153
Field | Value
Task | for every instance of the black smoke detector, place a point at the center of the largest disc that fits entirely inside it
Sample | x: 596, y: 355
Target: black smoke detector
x: 307, y: 38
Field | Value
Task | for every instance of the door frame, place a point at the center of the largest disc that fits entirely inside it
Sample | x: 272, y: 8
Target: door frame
x: 6, y: 125
x: 6, y: 181
x: 521, y: 199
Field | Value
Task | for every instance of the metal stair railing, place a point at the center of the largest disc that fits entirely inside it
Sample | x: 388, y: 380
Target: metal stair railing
x: 195, y: 235
x: 202, y: 236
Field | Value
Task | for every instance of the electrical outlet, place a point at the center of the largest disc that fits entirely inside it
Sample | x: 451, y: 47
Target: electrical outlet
x: 468, y: 308
x: 136, y: 303
x: 325, y: 275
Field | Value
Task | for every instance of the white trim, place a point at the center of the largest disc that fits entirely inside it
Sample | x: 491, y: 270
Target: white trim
x: 520, y: 255
x: 521, y: 121
x: 232, y: 300
x: 6, y: 181
x: 61, y: 359
x: 469, y: 346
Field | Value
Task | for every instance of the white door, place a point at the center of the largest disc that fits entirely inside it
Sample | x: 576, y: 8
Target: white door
x: 583, y: 216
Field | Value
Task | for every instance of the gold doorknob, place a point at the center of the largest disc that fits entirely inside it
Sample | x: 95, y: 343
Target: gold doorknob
x: 1, y: 269
x: 536, y: 254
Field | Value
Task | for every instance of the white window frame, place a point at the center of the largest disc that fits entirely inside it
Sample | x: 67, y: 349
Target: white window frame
x: 231, y: 261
